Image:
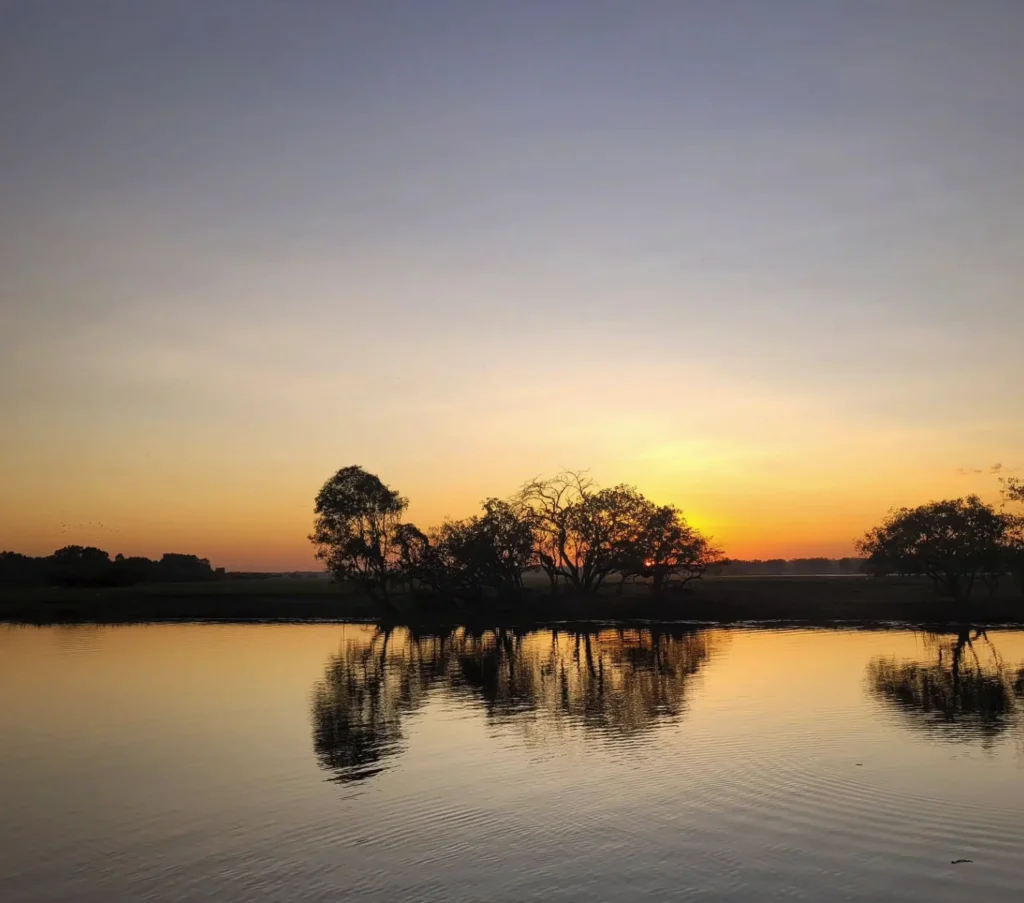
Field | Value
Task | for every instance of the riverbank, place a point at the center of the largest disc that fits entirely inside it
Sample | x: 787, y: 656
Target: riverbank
x: 713, y: 600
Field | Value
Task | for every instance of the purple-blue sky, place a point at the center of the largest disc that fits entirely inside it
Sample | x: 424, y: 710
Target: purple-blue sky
x: 762, y: 259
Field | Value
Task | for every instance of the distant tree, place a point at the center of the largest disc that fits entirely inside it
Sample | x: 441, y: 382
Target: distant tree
x: 80, y: 566
x: 22, y: 570
x: 357, y: 528
x: 174, y: 567
x: 135, y: 569
x: 951, y: 542
x: 850, y: 565
x: 813, y: 566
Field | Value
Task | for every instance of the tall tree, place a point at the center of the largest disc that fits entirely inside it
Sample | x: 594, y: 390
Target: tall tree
x: 357, y: 527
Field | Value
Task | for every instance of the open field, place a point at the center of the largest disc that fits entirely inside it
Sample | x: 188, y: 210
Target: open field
x: 715, y: 599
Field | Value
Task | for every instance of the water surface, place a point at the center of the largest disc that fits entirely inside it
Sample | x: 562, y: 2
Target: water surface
x: 330, y: 762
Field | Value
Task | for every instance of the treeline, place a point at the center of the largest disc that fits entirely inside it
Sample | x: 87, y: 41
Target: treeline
x: 583, y: 538
x: 92, y: 567
x: 807, y: 567
x: 580, y: 536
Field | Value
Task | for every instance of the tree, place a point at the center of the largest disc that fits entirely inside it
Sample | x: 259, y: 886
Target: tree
x: 415, y: 555
x: 491, y: 550
x: 581, y: 533
x: 175, y: 567
x: 357, y: 528
x: 1013, y: 493
x: 467, y: 557
x: 22, y: 570
x: 80, y: 566
x: 667, y: 546
x: 1013, y: 489
x: 951, y: 542
x: 550, y: 502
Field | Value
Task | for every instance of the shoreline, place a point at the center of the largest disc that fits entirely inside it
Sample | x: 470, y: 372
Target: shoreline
x: 806, y: 601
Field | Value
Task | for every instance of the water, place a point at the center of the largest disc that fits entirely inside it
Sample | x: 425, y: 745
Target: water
x: 328, y: 762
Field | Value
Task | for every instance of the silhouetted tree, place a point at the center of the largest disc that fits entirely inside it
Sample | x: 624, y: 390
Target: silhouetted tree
x: 129, y: 571
x: 80, y: 566
x: 490, y: 551
x: 812, y: 566
x: 89, y: 566
x: 551, y: 501
x: 174, y: 567
x: 581, y: 533
x: 22, y: 570
x: 667, y: 547
x: 952, y: 542
x: 419, y: 561
x: 357, y: 527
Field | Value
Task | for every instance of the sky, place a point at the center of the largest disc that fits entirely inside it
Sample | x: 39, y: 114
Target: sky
x: 761, y: 260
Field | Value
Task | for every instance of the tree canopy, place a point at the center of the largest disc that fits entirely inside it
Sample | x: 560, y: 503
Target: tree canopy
x: 358, y: 528
x: 952, y: 542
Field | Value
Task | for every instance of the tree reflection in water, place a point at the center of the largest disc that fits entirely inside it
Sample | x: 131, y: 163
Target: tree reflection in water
x: 366, y: 691
x: 964, y: 691
x: 613, y: 684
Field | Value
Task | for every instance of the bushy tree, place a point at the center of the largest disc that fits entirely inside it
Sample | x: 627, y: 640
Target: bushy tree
x: 80, y: 566
x: 357, y: 529
x: 22, y: 570
x: 493, y: 549
x: 952, y: 542
x: 487, y: 552
x: 666, y: 547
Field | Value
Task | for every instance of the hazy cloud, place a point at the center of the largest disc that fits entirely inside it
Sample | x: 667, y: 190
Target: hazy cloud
x: 996, y: 468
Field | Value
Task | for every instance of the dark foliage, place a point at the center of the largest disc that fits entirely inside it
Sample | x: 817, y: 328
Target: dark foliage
x: 782, y: 567
x: 87, y: 566
x: 358, y: 529
x: 613, y: 684
x: 953, y: 542
x: 959, y: 693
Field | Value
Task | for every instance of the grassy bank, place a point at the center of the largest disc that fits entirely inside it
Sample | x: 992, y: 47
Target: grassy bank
x: 715, y: 599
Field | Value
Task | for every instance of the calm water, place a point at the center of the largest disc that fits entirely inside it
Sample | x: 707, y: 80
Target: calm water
x: 329, y: 762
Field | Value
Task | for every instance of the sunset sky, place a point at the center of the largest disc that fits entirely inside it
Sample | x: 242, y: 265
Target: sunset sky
x: 763, y: 260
